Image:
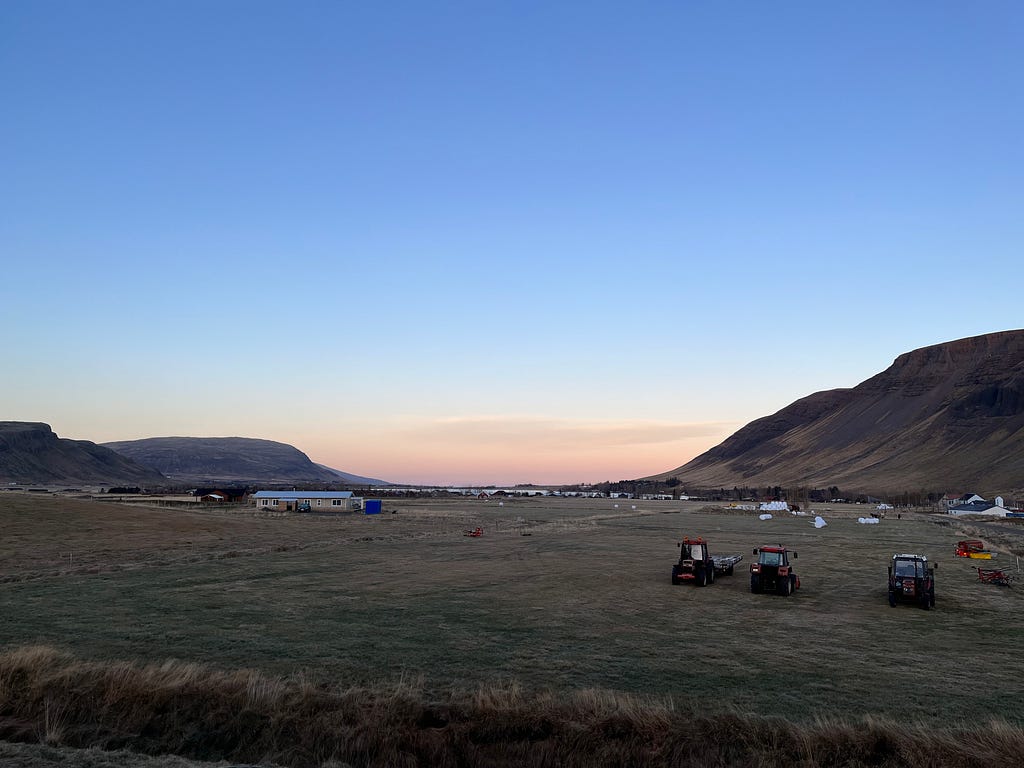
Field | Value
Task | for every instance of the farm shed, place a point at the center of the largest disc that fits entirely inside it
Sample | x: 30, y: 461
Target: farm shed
x: 317, y: 501
x: 224, y: 493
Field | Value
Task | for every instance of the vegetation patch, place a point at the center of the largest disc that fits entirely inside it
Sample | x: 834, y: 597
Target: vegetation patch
x: 195, y: 712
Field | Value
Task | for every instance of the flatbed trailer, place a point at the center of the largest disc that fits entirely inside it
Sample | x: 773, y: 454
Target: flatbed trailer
x: 724, y: 564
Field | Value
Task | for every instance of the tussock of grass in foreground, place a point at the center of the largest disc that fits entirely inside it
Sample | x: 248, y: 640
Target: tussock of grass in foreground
x: 184, y: 709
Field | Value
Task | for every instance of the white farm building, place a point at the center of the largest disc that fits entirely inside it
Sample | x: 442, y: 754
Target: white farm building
x: 307, y: 501
x: 994, y: 509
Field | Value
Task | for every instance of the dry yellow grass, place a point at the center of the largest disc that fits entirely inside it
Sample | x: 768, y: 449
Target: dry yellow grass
x: 199, y: 713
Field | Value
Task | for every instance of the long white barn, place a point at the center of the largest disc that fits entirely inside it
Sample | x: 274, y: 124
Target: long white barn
x: 317, y: 501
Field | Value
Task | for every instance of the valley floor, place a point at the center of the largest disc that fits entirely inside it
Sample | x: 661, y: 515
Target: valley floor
x: 560, y: 595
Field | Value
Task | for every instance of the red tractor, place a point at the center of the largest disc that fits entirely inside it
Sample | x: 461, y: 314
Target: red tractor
x: 772, y: 572
x: 697, y: 565
x: 912, y: 580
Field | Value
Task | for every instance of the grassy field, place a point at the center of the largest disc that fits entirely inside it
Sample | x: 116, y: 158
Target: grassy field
x: 583, y: 601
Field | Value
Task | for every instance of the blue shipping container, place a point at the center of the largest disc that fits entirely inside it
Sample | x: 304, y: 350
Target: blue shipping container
x: 372, y: 507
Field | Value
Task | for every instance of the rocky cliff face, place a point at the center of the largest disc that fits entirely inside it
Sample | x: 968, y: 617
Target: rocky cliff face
x: 225, y: 460
x: 944, y: 417
x: 31, y: 453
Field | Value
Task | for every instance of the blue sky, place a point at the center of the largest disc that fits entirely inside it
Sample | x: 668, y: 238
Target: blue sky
x: 494, y: 242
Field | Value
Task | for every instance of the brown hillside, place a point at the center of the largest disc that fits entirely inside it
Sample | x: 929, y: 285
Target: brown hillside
x: 948, y: 416
x: 31, y: 453
x: 225, y: 459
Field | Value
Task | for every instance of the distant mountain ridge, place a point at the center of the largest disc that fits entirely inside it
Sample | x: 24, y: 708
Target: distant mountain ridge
x: 355, y: 479
x: 213, y: 460
x: 948, y: 416
x: 31, y: 453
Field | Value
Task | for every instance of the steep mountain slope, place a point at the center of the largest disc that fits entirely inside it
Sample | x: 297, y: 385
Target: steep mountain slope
x: 31, y: 453
x: 354, y: 479
x: 225, y: 459
x: 948, y: 416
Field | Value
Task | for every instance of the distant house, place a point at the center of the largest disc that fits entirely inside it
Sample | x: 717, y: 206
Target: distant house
x: 220, y: 494
x: 954, y: 500
x: 314, y: 501
x: 981, y: 507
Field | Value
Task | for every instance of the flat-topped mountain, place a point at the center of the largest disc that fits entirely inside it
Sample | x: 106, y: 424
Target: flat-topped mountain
x: 31, y: 453
x: 228, y: 459
x: 948, y: 416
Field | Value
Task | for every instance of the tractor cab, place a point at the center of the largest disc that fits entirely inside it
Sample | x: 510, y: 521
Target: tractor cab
x: 907, y: 567
x: 693, y: 549
x: 772, y: 558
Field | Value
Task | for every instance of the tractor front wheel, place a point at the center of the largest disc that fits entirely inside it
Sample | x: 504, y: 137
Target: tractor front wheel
x: 702, y: 578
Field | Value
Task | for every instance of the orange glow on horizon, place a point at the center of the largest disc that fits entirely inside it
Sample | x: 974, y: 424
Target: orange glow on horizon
x: 519, y: 451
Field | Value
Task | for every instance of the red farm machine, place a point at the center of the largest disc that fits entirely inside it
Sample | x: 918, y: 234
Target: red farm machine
x: 912, y: 580
x: 995, y: 576
x: 972, y: 548
x: 772, y: 572
x: 698, y: 566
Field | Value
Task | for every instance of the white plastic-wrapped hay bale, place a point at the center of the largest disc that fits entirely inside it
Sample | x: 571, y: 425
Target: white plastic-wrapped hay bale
x: 819, y: 522
x: 765, y: 516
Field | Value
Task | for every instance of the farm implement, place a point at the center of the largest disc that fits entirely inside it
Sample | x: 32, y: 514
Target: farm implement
x: 912, y: 580
x: 994, y: 576
x: 974, y: 549
x: 772, y: 571
x: 696, y: 564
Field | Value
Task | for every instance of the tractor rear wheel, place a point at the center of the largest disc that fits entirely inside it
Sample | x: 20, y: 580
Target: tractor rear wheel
x: 892, y: 599
x: 702, y: 578
x: 785, y: 587
x: 711, y: 575
x: 675, y: 576
x: 931, y: 596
